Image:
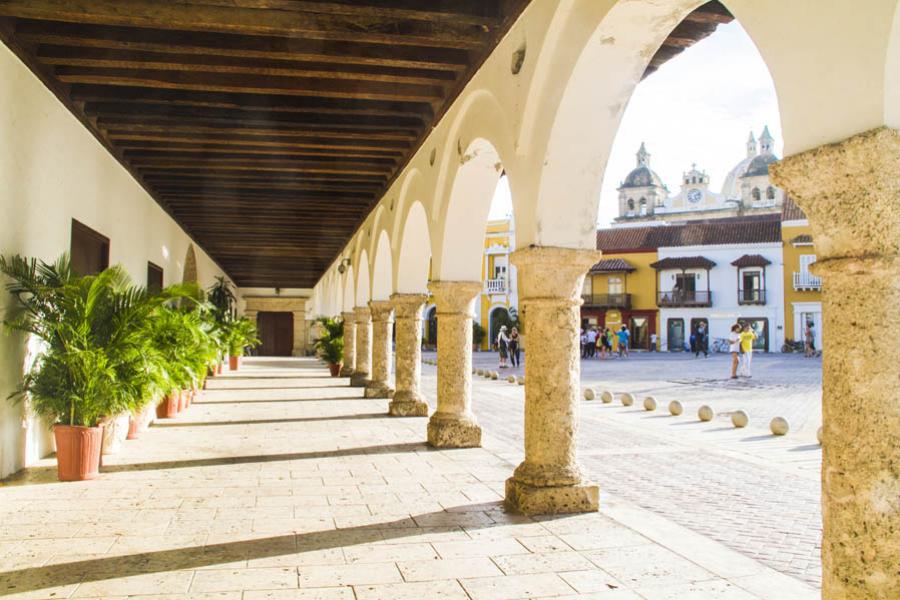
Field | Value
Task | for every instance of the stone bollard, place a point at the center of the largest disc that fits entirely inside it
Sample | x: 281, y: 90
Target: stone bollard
x: 675, y: 408
x: 521, y: 380
x: 819, y: 435
x: 649, y: 403
x: 479, y: 372
x: 705, y: 413
x: 511, y: 379
x: 739, y: 419
x: 779, y: 426
x: 495, y: 375
x: 589, y: 394
x: 606, y: 397
x: 627, y: 399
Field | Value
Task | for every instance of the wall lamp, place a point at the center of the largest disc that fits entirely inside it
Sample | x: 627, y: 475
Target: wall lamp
x: 343, y: 266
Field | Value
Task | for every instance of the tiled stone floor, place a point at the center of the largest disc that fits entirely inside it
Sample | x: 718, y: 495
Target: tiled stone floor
x: 282, y: 483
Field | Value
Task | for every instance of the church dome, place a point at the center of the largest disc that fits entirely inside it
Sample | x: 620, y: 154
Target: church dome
x: 731, y: 189
x: 642, y: 177
x: 759, y: 165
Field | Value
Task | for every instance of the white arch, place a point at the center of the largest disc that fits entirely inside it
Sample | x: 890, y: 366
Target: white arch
x: 349, y: 300
x: 414, y: 260
x: 468, y: 205
x: 382, y: 279
x: 363, y: 285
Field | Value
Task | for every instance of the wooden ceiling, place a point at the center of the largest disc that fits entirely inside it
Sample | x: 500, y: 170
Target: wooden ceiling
x: 268, y: 128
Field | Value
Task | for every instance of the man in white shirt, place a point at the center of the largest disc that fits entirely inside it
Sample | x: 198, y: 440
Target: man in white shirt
x: 591, y: 342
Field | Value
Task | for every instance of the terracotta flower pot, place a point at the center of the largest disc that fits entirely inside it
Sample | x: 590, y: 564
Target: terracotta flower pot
x: 168, y: 408
x: 335, y: 368
x: 134, y: 427
x: 234, y: 362
x: 77, y: 452
x: 220, y: 368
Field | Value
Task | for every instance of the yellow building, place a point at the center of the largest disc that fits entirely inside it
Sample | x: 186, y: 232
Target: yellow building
x: 621, y: 288
x: 802, y: 289
x: 500, y: 291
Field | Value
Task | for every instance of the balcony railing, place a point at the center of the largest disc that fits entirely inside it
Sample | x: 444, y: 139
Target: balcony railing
x: 751, y: 296
x: 675, y: 298
x: 807, y: 281
x: 607, y: 300
x: 495, y: 286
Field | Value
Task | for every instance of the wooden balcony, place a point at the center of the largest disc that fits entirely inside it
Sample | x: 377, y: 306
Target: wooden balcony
x: 679, y: 298
x: 622, y: 301
x: 752, y: 296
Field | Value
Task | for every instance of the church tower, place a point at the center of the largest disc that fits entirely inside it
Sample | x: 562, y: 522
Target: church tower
x: 751, y: 146
x: 766, y: 142
x: 643, y: 190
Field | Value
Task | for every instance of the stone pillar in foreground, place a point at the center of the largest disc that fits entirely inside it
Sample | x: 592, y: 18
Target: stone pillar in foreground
x: 379, y: 386
x: 850, y: 192
x: 349, y: 343
x: 407, y: 401
x: 363, y: 366
x: 549, y: 481
x: 453, y: 425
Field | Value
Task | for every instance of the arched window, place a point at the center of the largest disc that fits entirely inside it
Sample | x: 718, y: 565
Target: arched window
x: 643, y: 204
x: 631, y: 204
x: 770, y: 193
x: 755, y: 194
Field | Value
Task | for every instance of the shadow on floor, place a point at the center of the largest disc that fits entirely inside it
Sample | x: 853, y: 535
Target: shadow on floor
x: 32, y: 579
x: 166, y: 424
x: 239, y: 388
x: 806, y: 448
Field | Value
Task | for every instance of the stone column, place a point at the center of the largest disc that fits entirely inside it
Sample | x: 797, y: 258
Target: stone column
x: 453, y: 425
x: 362, y: 368
x: 379, y: 386
x: 349, y: 343
x: 850, y: 192
x: 299, y: 348
x: 549, y: 481
x: 407, y: 401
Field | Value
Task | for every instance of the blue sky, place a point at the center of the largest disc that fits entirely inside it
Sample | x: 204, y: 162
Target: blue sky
x: 698, y: 108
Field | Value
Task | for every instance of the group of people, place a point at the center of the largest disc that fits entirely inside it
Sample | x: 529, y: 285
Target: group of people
x: 740, y: 344
x: 594, y: 342
x: 508, y: 345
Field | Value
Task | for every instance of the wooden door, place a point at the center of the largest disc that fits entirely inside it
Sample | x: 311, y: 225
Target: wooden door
x: 276, y: 332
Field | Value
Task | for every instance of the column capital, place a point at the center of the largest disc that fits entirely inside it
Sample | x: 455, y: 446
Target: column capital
x: 850, y: 191
x: 362, y: 313
x: 455, y: 297
x: 348, y: 316
x: 381, y: 310
x: 558, y: 272
x: 408, y: 306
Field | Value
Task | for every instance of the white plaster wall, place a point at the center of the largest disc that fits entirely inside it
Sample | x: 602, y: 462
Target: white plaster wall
x: 53, y: 170
x: 725, y: 310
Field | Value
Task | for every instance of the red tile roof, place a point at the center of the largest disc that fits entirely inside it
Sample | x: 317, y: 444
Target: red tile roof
x: 683, y: 262
x: 751, y: 260
x: 790, y: 211
x: 612, y: 265
x: 740, y: 230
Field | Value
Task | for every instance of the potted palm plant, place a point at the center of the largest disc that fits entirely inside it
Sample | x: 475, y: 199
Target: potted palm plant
x: 240, y: 334
x: 97, y: 361
x: 329, y: 344
x: 222, y: 301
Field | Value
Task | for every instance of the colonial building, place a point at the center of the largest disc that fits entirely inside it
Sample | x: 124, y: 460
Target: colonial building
x: 668, y: 278
x: 802, y: 289
x: 747, y: 190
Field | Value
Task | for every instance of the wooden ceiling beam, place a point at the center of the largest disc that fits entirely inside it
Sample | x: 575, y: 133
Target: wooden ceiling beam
x: 139, y: 97
x: 252, y: 84
x: 154, y: 61
x: 137, y: 148
x: 268, y: 133
x: 276, y: 48
x: 257, y: 141
x: 711, y: 12
x: 185, y: 16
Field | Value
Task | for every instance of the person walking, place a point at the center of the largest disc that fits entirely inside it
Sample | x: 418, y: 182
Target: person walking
x: 583, y: 343
x: 591, y: 342
x: 514, y: 347
x: 748, y: 336
x: 734, y: 346
x: 701, y: 342
x: 809, y: 340
x: 623, y: 336
x: 608, y: 334
x: 653, y: 342
x: 503, y: 346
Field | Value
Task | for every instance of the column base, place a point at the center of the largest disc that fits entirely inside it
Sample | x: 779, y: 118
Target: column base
x: 345, y: 371
x: 554, y: 500
x: 360, y: 379
x: 453, y: 433
x: 378, y: 389
x: 405, y: 404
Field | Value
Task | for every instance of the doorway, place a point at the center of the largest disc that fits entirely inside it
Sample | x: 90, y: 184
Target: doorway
x: 675, y: 331
x: 276, y: 333
x: 640, y: 332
